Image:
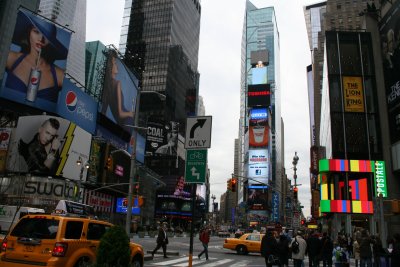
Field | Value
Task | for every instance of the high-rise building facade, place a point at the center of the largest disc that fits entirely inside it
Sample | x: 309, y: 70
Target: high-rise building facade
x: 95, y: 58
x: 160, y: 41
x: 260, y: 115
x: 72, y: 15
x: 349, y: 109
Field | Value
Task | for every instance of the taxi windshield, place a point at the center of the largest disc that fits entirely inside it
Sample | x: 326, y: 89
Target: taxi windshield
x: 42, y: 228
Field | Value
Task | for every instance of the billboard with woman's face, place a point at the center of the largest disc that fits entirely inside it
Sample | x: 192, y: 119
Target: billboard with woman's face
x: 36, y: 62
x: 119, y: 92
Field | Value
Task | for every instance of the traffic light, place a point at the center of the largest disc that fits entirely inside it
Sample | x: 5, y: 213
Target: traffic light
x: 109, y: 163
x: 233, y: 184
x: 229, y: 185
x: 295, y: 190
x: 303, y: 221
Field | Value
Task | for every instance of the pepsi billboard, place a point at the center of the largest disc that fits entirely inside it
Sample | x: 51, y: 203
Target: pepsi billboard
x: 36, y: 62
x: 77, y: 106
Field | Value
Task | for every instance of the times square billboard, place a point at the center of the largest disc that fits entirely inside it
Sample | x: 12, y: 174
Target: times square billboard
x: 258, y: 167
x: 48, y: 145
x: 36, y: 62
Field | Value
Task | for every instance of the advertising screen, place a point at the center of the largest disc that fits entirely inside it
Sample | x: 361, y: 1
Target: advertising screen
x: 121, y: 206
x: 257, y: 199
x: 162, y: 139
x: 119, y: 92
x: 259, y: 95
x: 77, y: 106
x: 389, y: 28
x: 97, y: 163
x: 258, y: 113
x: 258, y: 167
x: 259, y: 75
x: 49, y: 146
x: 36, y: 62
x: 258, y: 133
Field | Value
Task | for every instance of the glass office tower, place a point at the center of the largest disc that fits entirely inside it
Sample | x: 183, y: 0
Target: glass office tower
x: 160, y: 41
x: 260, y: 77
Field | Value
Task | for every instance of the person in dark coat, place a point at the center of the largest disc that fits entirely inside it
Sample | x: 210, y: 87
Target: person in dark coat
x: 283, y: 250
x: 269, y: 246
x: 162, y: 241
x: 365, y: 249
x: 314, y: 249
x: 326, y: 250
x: 395, y: 254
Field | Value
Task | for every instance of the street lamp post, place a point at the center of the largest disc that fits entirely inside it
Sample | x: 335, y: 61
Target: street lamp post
x: 295, y: 189
x: 213, y: 210
x: 132, y: 175
x: 83, y: 166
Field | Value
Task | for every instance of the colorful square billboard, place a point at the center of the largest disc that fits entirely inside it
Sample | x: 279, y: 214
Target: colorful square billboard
x: 119, y: 92
x: 48, y: 146
x: 334, y: 197
x: 36, y: 62
x: 77, y: 106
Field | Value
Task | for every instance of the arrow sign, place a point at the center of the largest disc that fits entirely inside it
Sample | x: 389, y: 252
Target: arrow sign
x: 198, y: 132
x: 200, y: 123
x: 196, y: 165
x: 195, y: 174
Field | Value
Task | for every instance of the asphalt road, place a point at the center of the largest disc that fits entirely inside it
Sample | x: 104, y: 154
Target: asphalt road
x: 178, y: 254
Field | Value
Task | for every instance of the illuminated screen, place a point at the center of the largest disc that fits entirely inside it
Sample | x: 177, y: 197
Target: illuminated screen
x: 356, y: 195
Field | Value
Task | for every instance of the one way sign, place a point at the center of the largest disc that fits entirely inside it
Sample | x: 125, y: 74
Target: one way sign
x: 198, y: 132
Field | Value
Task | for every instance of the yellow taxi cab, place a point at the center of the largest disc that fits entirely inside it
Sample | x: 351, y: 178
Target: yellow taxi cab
x: 250, y: 242
x: 60, y: 239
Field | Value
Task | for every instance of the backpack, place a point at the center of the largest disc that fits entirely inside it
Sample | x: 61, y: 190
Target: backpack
x: 295, y: 246
x: 340, y: 256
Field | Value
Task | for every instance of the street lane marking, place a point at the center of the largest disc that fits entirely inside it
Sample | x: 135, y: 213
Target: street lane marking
x: 216, y: 263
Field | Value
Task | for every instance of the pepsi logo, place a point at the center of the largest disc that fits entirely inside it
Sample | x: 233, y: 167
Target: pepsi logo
x: 71, y: 100
x: 34, y: 80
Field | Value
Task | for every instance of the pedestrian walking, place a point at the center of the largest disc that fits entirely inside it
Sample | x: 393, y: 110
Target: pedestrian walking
x: 365, y: 249
x: 356, y: 252
x: 314, y: 249
x: 395, y: 254
x: 326, y: 250
x: 162, y: 240
x: 378, y: 252
x: 283, y: 250
x: 269, y: 249
x: 205, y: 239
x: 299, y: 247
x: 340, y: 255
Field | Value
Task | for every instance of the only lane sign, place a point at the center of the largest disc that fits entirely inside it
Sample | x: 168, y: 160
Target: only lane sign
x: 198, y: 132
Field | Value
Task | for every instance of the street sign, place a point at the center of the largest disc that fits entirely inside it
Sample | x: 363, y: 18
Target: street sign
x: 196, y: 165
x: 198, y: 132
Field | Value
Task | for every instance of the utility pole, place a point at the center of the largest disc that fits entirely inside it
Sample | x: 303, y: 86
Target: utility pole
x: 296, y: 214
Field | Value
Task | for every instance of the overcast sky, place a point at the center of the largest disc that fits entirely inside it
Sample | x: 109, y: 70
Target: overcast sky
x: 219, y: 67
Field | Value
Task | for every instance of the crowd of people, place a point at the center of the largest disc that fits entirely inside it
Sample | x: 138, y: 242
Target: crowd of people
x: 366, y: 250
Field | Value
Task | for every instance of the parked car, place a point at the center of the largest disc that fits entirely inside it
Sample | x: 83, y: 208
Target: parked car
x: 60, y: 239
x: 246, y: 243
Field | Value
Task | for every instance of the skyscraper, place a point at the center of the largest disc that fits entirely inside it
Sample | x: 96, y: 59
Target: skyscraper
x: 71, y: 14
x: 160, y: 41
x: 260, y: 147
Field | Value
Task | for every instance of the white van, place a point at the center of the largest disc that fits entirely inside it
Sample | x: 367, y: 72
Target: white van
x: 7, y: 218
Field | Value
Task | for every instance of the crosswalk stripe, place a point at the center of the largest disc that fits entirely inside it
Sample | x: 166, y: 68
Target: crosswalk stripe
x: 216, y: 263
x: 169, y: 262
